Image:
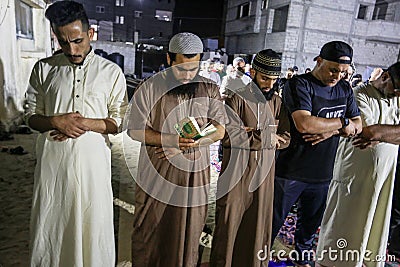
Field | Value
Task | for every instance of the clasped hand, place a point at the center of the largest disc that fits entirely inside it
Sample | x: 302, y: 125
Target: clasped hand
x: 70, y: 125
x: 180, y: 145
x: 366, y: 138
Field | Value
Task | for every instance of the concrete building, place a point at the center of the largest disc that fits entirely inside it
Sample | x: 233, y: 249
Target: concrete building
x: 139, y: 29
x: 134, y: 21
x: 298, y: 28
x: 25, y: 39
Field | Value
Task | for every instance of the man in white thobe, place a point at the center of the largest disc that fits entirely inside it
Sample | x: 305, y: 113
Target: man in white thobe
x: 357, y: 217
x: 75, y: 99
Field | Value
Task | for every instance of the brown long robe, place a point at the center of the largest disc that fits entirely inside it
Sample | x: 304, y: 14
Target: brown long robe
x: 169, y: 219
x: 244, y: 215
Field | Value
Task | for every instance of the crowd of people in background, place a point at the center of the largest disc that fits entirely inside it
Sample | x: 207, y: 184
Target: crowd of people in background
x: 239, y: 65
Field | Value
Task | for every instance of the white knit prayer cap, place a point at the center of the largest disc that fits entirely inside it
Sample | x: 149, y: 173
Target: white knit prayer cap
x: 185, y: 43
x: 236, y: 61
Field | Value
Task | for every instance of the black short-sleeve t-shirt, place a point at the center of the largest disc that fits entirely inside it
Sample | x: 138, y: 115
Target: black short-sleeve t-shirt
x: 300, y: 160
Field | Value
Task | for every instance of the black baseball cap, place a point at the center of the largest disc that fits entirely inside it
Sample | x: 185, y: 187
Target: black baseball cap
x: 334, y: 50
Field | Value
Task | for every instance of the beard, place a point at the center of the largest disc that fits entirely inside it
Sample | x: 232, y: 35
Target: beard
x: 188, y: 89
x: 178, y: 88
x: 267, y: 94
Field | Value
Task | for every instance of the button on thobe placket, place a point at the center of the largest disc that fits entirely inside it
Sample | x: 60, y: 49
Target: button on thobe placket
x: 78, y: 89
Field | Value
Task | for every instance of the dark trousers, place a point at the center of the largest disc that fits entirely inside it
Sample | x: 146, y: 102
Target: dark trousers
x: 311, y: 202
x: 394, y: 238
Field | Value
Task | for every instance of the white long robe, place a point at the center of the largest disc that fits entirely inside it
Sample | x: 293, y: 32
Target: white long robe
x: 72, y: 209
x: 357, y: 217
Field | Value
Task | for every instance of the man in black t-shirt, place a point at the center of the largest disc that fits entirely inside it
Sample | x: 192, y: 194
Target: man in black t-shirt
x: 322, y: 107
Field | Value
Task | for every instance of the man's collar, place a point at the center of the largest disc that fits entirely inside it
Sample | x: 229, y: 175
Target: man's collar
x: 88, y: 57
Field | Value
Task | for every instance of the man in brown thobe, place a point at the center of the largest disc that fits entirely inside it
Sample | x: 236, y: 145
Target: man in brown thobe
x: 245, y: 186
x: 173, y: 173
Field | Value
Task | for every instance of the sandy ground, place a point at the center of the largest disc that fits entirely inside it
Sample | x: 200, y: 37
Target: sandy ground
x: 16, y: 185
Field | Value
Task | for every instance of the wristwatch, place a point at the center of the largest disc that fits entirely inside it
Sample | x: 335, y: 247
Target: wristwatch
x: 345, y: 122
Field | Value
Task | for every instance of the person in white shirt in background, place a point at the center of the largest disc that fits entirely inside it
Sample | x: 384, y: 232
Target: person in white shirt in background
x: 235, y: 79
x: 207, y: 72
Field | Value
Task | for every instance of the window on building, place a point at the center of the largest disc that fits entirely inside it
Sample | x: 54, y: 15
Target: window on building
x: 280, y: 19
x: 380, y: 10
x: 163, y: 15
x: 100, y: 9
x: 119, y: 19
x: 362, y: 12
x: 23, y: 17
x: 136, y: 35
x: 264, y: 4
x: 138, y: 14
x: 119, y: 2
x: 243, y: 10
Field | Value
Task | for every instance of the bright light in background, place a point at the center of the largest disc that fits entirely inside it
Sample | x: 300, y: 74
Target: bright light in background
x: 96, y: 29
x: 163, y: 15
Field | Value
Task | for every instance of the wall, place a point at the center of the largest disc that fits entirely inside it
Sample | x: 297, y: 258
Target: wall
x: 310, y: 24
x: 127, y: 50
x: 148, y: 25
x: 17, y: 57
x: 240, y: 35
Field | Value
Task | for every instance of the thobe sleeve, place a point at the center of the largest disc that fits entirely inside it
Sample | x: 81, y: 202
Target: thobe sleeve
x: 138, y: 115
x: 234, y: 127
x: 216, y: 111
x: 367, y: 115
x: 118, y: 100
x: 35, y: 94
x: 224, y: 82
x: 236, y: 136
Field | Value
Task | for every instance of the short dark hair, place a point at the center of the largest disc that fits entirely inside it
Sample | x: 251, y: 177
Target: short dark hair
x: 64, y: 12
x: 172, y: 56
x: 394, y: 71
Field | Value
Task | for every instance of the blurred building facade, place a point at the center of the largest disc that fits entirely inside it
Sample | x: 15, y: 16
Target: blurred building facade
x: 145, y: 26
x: 298, y: 28
x: 134, y: 21
x: 26, y: 39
